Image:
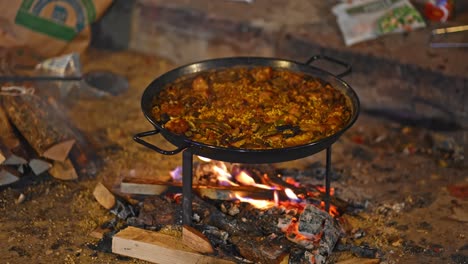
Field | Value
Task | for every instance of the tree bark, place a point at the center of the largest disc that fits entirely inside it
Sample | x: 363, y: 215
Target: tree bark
x: 44, y: 129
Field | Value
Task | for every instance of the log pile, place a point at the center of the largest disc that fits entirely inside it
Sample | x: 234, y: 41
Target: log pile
x: 37, y: 137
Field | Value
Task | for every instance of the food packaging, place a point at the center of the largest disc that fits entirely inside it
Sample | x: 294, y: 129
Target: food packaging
x: 368, y: 19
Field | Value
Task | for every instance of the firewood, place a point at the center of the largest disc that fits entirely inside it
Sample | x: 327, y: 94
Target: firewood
x: 157, y: 248
x: 132, y: 185
x: 104, y: 196
x: 8, y: 175
x: 83, y: 154
x: 63, y: 170
x: 41, y: 126
x: 9, y: 143
x: 144, y: 186
x: 355, y: 260
x: 196, y: 240
x: 39, y: 166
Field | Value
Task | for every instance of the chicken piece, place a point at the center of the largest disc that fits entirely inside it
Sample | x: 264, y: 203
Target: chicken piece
x: 177, y: 126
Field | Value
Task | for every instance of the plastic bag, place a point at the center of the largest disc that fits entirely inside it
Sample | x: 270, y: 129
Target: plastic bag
x: 368, y: 19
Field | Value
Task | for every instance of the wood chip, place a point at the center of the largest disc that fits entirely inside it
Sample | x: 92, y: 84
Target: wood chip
x: 104, y: 196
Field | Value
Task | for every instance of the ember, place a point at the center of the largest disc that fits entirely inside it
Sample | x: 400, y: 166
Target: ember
x: 285, y: 208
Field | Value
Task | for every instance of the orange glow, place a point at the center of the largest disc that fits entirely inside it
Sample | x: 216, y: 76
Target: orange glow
x: 323, y: 190
x: 276, y: 198
x: 333, y: 209
x: 293, y: 234
x: 292, y: 181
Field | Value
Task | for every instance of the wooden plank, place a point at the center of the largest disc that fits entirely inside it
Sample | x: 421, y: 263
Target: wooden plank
x: 158, y: 248
x: 194, y: 239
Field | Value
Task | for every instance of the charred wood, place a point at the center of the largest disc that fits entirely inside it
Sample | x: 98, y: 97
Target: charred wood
x: 261, y: 249
x: 211, y: 215
x: 157, y: 211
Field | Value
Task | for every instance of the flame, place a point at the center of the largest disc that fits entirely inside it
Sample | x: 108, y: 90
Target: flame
x: 260, y: 204
x: 291, y: 195
x: 204, y: 159
x: 223, y: 176
x: 245, y: 179
x: 333, y: 211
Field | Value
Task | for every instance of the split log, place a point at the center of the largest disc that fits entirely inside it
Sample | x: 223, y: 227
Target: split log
x: 44, y: 129
x: 83, y: 154
x: 63, y: 170
x: 8, y: 175
x: 104, y: 196
x: 196, y: 240
x: 39, y: 166
x: 157, y: 248
x: 10, y: 146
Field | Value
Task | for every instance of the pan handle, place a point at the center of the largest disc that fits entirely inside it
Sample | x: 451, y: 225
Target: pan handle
x: 138, y: 139
x: 330, y: 59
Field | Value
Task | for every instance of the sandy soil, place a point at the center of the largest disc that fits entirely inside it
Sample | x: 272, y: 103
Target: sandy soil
x: 402, y: 176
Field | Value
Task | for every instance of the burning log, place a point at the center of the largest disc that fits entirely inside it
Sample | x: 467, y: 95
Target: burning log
x: 133, y: 185
x: 10, y: 146
x: 210, y: 215
x: 315, y: 230
x: 194, y: 239
x: 40, y: 125
x: 158, y: 248
x: 158, y: 212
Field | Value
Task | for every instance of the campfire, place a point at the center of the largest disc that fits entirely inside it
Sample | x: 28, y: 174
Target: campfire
x: 246, y: 212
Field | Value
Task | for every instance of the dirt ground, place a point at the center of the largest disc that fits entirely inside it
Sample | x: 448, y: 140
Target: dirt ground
x: 410, y: 184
